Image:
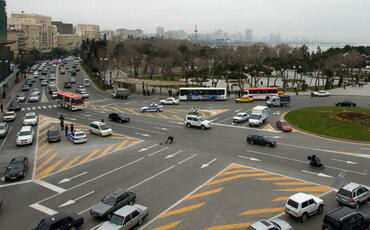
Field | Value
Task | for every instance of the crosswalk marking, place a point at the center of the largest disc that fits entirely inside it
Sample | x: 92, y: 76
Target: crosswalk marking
x: 22, y: 109
x: 42, y: 146
x: 33, y: 108
x: 50, y: 106
x: 55, y: 106
x: 46, y: 162
x: 38, y: 107
x: 44, y: 106
x: 70, y: 163
x: 50, y: 169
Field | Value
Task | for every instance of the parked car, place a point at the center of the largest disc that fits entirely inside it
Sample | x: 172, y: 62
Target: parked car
x: 29, y: 82
x: 302, y: 205
x: 25, y: 136
x: 152, y: 108
x: 59, y: 221
x: 77, y: 136
x: 321, y: 93
x: 197, y: 121
x: 261, y: 140
x: 53, y: 135
x: 30, y: 119
x: 275, y: 224
x: 353, y: 194
x: 283, y: 126
x: 169, y: 101
x: 21, y: 97
x: 80, y: 89
x: 9, y: 116
x: 112, y: 202
x: 345, y: 103
x: 100, y: 128
x: 16, y: 169
x: 345, y: 218
x: 86, y: 82
x: 15, y: 106
x: 243, y: 99
x: 240, y: 117
x: 4, y: 129
x: 67, y: 85
x: 119, y: 117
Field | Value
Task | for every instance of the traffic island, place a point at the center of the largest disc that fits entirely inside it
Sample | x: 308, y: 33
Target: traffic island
x: 351, y: 123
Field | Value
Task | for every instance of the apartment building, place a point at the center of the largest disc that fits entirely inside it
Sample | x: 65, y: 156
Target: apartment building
x: 87, y: 31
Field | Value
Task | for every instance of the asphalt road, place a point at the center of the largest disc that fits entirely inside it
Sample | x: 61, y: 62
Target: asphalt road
x: 74, y: 177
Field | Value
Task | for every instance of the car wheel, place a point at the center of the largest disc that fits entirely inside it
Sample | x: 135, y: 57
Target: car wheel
x: 140, y: 222
x: 251, y: 142
x: 357, y: 206
x: 132, y: 202
x: 110, y: 119
x: 304, y: 217
x: 128, y: 120
x: 203, y: 127
x: 188, y: 125
x: 320, y: 209
x: 121, y: 121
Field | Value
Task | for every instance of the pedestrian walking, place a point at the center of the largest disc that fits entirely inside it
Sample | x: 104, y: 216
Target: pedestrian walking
x: 61, y: 125
x: 1, y: 107
x: 153, y: 91
x: 311, y: 94
x: 170, y: 139
x: 72, y: 128
x: 66, y: 130
x: 61, y: 118
x: 102, y: 120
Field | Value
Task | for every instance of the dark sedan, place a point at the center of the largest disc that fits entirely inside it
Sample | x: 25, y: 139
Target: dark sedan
x: 61, y: 220
x: 346, y: 104
x: 67, y: 85
x: 15, y: 106
x: 261, y: 140
x: 119, y: 117
x: 52, y: 89
x: 53, y: 135
x: 16, y: 169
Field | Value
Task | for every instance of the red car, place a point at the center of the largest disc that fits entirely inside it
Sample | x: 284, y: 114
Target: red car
x: 283, y: 126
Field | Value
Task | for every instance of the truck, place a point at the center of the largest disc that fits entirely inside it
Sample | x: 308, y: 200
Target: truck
x: 283, y: 100
x: 258, y: 116
x: 121, y: 93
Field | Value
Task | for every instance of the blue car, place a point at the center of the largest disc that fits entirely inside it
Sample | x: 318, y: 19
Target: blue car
x: 152, y: 108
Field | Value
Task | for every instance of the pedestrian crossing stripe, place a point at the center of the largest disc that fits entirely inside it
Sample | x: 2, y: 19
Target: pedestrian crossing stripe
x: 269, y: 127
x: 39, y: 107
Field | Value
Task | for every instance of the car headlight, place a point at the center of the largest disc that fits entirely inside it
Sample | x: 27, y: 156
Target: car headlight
x: 20, y: 174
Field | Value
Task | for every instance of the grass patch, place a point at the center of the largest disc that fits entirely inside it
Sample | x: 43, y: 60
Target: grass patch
x: 99, y: 83
x: 339, y: 122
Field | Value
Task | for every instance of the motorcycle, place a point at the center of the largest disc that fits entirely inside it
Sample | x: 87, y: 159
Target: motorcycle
x: 315, y: 162
x: 194, y: 112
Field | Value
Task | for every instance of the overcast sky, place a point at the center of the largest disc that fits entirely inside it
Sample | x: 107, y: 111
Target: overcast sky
x: 344, y: 20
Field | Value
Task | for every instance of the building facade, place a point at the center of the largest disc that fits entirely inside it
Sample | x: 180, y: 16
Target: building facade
x: 68, y: 41
x: 88, y: 31
x: 123, y: 34
x: 160, y: 32
x: 108, y: 34
x: 63, y: 28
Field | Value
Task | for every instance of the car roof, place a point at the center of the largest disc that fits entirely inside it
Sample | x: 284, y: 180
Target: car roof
x: 262, y: 224
x: 97, y: 123
x: 118, y: 192
x: 341, y: 212
x: 55, y: 218
x: 241, y: 113
x: 26, y: 128
x: 18, y: 159
x: 30, y: 113
x: 301, y: 197
x: 126, y: 210
x: 351, y: 186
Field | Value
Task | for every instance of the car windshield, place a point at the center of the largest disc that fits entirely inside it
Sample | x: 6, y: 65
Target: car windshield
x: 201, y: 119
x: 77, y: 101
x: 17, y: 165
x: 43, y: 225
x: 24, y: 133
x: 250, y: 228
x: 240, y: 115
x: 9, y: 114
x: 79, y: 134
x: 118, y: 220
x: 53, y: 132
x: 292, y: 203
x: 104, y: 127
x: 30, y: 117
x: 254, y: 116
x: 344, y: 192
x: 109, y: 200
x: 122, y: 115
x: 284, y: 123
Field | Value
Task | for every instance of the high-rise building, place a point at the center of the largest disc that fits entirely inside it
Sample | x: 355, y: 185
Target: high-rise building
x: 249, y: 35
x: 160, y: 32
x: 63, y: 28
x: 88, y: 31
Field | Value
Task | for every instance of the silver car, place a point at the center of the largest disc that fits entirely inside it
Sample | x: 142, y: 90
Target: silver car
x: 276, y: 224
x: 353, y: 194
x: 4, y: 129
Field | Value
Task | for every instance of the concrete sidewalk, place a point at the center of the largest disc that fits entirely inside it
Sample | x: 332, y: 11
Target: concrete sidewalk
x: 349, y: 91
x: 10, y: 94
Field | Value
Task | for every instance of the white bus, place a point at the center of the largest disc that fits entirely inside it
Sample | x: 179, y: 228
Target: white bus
x: 202, y: 94
x: 261, y: 93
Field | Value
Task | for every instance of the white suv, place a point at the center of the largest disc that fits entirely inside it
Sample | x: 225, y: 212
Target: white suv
x: 25, y: 136
x: 302, y: 205
x: 100, y: 128
x: 30, y: 119
x: 197, y: 121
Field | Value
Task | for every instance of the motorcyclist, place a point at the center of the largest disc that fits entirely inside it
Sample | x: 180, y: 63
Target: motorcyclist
x: 315, y: 160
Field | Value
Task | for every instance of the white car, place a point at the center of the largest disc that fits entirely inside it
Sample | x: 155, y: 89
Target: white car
x: 100, y: 128
x: 54, y: 95
x: 197, y: 121
x: 240, y: 117
x: 84, y: 94
x: 169, y: 101
x: 275, y: 224
x: 25, y: 136
x: 77, y: 136
x: 152, y: 108
x: 34, y: 97
x: 30, y: 119
x: 321, y: 93
x: 36, y: 91
x: 9, y: 116
x: 302, y: 205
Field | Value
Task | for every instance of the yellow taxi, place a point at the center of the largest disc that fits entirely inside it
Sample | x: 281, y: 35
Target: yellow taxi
x: 282, y: 93
x: 244, y: 98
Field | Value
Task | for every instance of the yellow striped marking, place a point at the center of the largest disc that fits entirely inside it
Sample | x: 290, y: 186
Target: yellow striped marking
x: 237, y: 177
x: 204, y: 193
x: 181, y: 210
x: 89, y: 156
x: 42, y: 146
x: 282, y: 198
x: 269, y: 127
x: 164, y: 116
x: 93, y: 106
x: 49, y: 169
x: 43, y: 139
x: 262, y: 211
x: 46, y: 152
x: 178, y: 118
x: 70, y: 163
x: 274, y: 178
x: 236, y: 166
x: 103, y: 108
x: 306, y: 189
x: 42, y: 133
x: 239, y: 171
x: 46, y: 126
x: 168, y: 226
x: 203, y: 114
x: 134, y: 142
x: 148, y: 114
x: 42, y: 117
x: 230, y: 226
x: 120, y: 146
x: 120, y: 138
x: 47, y: 161
x: 117, y: 109
x: 106, y: 150
x: 132, y: 111
x: 42, y: 122
x: 292, y: 183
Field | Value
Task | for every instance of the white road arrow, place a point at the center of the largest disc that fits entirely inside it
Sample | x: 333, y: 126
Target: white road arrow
x: 277, y: 113
x: 249, y: 158
x: 173, y: 154
x: 75, y: 200
x: 317, y: 174
x: 276, y: 137
x: 208, y: 164
x: 348, y: 162
x: 71, y: 178
x: 143, y: 134
x: 144, y: 149
x: 161, y: 128
x: 238, y: 110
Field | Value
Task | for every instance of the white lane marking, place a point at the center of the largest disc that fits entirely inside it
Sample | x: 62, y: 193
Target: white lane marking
x: 43, y: 209
x: 71, y: 178
x: 173, y: 154
x: 277, y: 113
x: 243, y: 127
x: 208, y: 164
x: 129, y: 102
x: 176, y: 122
x: 44, y: 107
x: 23, y: 109
x: 49, y: 106
x: 344, y: 161
x: 249, y: 158
x: 164, y: 129
x: 194, y: 155
x: 151, y: 154
x: 305, y: 162
x: 55, y: 106
x: 152, y: 99
x: 33, y: 108
x: 73, y: 201
x: 14, y: 184
x: 317, y: 174
x: 149, y: 147
x: 143, y: 134
x: 38, y: 107
x: 236, y: 111
x: 50, y: 186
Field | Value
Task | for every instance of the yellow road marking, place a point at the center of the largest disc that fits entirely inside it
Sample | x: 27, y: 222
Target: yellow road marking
x: 204, y: 193
x: 306, y: 189
x: 238, y: 171
x: 42, y: 117
x: 93, y: 106
x: 164, y: 116
x: 121, y: 138
x: 106, y: 150
x: 134, y: 142
x: 292, y: 183
x: 49, y: 169
x: 274, y: 178
x: 117, y: 109
x: 230, y: 226
x: 43, y: 139
x: 282, y: 198
x: 42, y: 133
x: 42, y: 146
x: 178, y: 118
x: 168, y: 226
x: 46, y: 152
x: 120, y: 146
x: 181, y: 210
x: 203, y: 114
x: 269, y: 127
x: 69, y: 163
x: 237, y: 177
x: 47, y: 126
x: 47, y: 161
x: 132, y: 111
x: 262, y: 211
x: 105, y: 109
x: 89, y: 156
x: 147, y: 114
x: 236, y: 166
x: 42, y: 122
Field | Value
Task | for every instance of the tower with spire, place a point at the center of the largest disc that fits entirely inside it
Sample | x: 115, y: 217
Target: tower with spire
x: 196, y: 33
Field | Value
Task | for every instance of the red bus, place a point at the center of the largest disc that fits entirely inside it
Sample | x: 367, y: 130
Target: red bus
x: 71, y: 101
x: 261, y: 93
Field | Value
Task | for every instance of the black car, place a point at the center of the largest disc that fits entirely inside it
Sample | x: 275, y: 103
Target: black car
x: 25, y: 87
x: 61, y: 220
x: 261, y: 140
x: 345, y: 218
x: 15, y: 106
x: 29, y: 82
x: 52, y: 89
x: 67, y: 85
x: 16, y: 169
x: 73, y: 73
x: 119, y: 117
x: 53, y: 135
x: 346, y: 103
